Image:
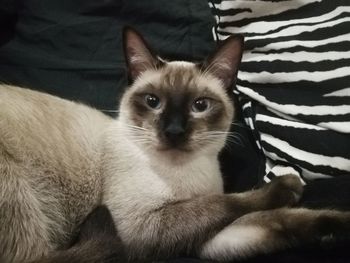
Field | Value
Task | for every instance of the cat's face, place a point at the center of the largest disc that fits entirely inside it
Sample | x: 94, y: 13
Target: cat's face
x: 178, y: 107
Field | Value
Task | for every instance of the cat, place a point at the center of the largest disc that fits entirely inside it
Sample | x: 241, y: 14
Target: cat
x: 155, y: 167
x: 97, y: 242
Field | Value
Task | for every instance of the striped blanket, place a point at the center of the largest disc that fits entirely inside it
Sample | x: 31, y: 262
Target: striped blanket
x: 294, y: 82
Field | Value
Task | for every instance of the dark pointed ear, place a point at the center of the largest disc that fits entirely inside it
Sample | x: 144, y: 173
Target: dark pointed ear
x: 138, y: 56
x: 225, y: 61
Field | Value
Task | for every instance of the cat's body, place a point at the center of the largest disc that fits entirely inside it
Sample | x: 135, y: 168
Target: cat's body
x: 50, y: 163
x: 155, y: 168
x: 56, y: 151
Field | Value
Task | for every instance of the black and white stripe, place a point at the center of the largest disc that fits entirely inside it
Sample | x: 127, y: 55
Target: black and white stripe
x: 294, y: 82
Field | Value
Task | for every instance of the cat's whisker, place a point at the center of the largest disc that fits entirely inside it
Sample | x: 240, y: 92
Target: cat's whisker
x: 212, y: 137
x: 142, y: 141
x: 147, y: 139
x: 113, y: 111
x: 117, y: 111
x: 133, y: 137
x: 241, y: 125
x: 217, y: 135
x: 229, y: 147
x: 136, y: 127
x: 214, y: 131
x: 235, y: 140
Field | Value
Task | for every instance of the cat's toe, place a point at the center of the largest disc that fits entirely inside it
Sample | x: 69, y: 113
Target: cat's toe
x: 292, y: 183
x: 286, y: 190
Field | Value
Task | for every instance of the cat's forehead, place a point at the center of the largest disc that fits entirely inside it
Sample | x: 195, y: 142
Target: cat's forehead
x: 179, y: 76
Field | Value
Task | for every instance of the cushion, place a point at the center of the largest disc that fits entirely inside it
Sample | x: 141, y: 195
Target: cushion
x: 293, y: 84
x: 73, y: 49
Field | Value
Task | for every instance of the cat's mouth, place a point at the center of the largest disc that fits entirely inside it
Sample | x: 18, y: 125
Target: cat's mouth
x: 174, y: 149
x: 173, y: 145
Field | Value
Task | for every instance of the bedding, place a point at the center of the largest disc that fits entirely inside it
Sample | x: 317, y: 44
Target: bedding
x: 293, y: 82
x: 73, y: 49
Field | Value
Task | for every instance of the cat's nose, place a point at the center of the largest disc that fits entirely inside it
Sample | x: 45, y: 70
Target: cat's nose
x: 174, y: 133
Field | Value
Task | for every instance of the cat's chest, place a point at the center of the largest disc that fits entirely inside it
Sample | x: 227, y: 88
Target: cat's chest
x: 199, y: 177
x: 133, y: 178
x: 137, y: 179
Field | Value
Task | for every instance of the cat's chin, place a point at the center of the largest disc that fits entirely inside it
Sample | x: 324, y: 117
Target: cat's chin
x: 174, y: 155
x: 177, y: 150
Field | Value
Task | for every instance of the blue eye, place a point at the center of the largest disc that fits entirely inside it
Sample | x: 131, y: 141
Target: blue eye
x: 152, y: 101
x: 201, y: 105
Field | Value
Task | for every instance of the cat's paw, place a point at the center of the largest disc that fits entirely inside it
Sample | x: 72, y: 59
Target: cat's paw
x: 284, y: 190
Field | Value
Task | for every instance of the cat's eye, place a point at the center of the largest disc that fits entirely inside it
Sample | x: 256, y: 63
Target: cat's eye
x: 152, y: 101
x: 201, y: 105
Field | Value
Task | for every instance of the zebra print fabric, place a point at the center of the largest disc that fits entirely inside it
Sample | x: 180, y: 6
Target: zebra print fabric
x: 294, y: 82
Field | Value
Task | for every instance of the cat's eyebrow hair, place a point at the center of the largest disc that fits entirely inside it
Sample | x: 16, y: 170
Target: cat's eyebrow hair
x: 147, y: 88
x: 207, y: 93
x: 178, y: 76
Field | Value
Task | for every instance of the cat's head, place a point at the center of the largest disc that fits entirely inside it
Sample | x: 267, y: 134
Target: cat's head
x: 175, y: 109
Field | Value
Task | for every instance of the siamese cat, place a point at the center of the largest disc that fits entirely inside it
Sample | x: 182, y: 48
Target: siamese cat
x: 155, y: 167
x: 96, y: 242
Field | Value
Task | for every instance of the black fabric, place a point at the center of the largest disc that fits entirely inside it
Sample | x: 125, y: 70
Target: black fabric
x: 8, y: 18
x: 73, y: 48
x: 241, y: 161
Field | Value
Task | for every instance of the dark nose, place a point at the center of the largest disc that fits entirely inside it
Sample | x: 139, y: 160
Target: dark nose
x: 174, y: 133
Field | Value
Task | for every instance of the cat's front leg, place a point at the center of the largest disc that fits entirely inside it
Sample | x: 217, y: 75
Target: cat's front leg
x: 282, y: 191
x: 267, y: 231
x: 182, y: 226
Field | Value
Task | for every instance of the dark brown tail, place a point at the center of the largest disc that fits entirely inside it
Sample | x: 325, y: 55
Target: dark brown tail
x: 97, y: 242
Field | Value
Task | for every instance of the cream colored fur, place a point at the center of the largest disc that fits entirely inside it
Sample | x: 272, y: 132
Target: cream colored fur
x: 49, y: 169
x: 59, y: 159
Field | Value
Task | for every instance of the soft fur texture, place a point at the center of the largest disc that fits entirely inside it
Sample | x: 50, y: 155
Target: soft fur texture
x: 155, y: 168
x: 97, y: 242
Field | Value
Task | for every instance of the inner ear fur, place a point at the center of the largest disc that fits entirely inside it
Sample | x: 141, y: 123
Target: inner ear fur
x: 138, y: 55
x: 225, y: 61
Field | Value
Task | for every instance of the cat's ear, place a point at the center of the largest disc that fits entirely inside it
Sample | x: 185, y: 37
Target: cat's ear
x: 224, y: 62
x: 138, y: 56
